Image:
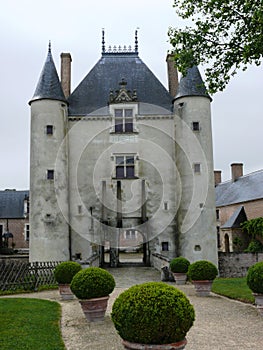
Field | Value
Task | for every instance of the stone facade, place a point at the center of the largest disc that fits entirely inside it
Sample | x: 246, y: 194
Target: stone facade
x: 122, y: 155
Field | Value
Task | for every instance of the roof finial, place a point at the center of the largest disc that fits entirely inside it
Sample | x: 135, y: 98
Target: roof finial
x: 136, y: 39
x: 49, y: 46
x: 103, y: 41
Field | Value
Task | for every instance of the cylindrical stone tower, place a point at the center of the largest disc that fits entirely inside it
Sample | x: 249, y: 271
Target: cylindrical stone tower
x: 196, y: 217
x: 49, y: 229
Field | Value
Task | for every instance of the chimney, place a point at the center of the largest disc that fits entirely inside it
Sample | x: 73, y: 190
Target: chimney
x: 66, y: 73
x: 217, y: 176
x: 172, y: 75
x: 236, y: 170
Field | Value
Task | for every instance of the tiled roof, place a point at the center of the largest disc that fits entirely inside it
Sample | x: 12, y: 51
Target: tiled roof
x: 93, y: 92
x: 192, y: 84
x: 12, y: 204
x: 246, y: 188
x: 49, y: 86
x: 236, y: 219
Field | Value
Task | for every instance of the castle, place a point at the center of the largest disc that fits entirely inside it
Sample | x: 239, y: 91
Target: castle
x: 121, y: 156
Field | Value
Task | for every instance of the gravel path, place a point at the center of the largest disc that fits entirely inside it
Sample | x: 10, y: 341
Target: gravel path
x: 220, y: 324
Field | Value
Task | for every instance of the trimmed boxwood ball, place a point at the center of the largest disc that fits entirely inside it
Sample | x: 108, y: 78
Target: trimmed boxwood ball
x: 65, y: 271
x: 255, y: 278
x: 92, y: 282
x: 202, y: 270
x: 179, y: 265
x: 152, y: 313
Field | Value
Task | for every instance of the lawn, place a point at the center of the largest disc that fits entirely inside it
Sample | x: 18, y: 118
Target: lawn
x: 30, y: 324
x: 234, y: 288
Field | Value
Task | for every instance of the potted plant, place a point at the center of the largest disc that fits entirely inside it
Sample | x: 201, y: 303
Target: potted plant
x: 153, y: 315
x: 64, y: 272
x: 255, y: 283
x: 92, y: 287
x: 179, y: 267
x: 202, y: 273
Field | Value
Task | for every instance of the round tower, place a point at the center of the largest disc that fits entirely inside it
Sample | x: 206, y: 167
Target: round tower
x: 49, y: 230
x: 194, y: 153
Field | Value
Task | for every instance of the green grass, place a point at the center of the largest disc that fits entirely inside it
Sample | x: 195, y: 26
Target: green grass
x: 30, y: 324
x: 234, y: 288
x: 22, y: 290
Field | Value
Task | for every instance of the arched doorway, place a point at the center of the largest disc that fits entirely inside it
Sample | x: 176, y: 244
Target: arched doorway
x: 131, y: 247
x: 227, y: 245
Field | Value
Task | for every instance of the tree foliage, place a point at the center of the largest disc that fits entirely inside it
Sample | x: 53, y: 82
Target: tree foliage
x: 226, y: 34
x: 254, y: 227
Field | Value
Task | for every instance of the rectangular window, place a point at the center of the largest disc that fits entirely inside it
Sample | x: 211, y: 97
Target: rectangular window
x: 196, y: 126
x: 217, y: 214
x: 50, y: 174
x: 197, y: 168
x: 123, y: 120
x: 27, y: 232
x: 124, y: 167
x: 165, y: 246
x: 49, y: 129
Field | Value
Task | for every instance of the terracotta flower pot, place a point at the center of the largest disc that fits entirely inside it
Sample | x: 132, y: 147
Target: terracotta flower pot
x: 94, y: 309
x: 65, y: 292
x: 180, y: 278
x: 203, y: 288
x: 259, y: 302
x: 136, y: 346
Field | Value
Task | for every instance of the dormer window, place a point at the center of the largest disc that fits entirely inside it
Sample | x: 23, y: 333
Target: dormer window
x: 123, y: 107
x: 123, y: 119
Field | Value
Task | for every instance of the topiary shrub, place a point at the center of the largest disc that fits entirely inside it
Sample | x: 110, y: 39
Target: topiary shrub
x: 255, y: 278
x: 152, y: 313
x: 92, y: 282
x: 65, y: 271
x: 179, y: 265
x: 202, y: 270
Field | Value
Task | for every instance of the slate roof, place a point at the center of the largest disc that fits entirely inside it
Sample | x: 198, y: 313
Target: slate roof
x: 12, y: 204
x: 236, y: 219
x: 93, y: 92
x: 49, y: 86
x: 246, y: 188
x: 192, y: 84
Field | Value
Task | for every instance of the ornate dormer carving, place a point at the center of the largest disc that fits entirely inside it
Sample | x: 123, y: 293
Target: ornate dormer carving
x: 122, y: 95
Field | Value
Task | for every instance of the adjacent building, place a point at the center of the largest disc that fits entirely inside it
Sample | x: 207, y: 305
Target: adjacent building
x: 14, y: 219
x: 237, y: 200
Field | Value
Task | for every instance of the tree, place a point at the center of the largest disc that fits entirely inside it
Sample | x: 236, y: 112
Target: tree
x: 254, y: 227
x: 227, y: 35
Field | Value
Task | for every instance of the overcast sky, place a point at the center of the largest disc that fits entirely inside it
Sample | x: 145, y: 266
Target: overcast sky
x: 75, y: 27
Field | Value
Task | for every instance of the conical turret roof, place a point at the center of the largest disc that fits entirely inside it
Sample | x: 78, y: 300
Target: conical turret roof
x: 49, y: 86
x: 192, y: 84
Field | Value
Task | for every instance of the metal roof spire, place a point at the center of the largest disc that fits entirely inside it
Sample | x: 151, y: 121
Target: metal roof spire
x: 136, y: 40
x: 103, y: 40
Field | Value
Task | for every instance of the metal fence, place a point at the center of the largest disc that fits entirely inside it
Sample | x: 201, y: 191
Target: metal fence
x: 21, y: 275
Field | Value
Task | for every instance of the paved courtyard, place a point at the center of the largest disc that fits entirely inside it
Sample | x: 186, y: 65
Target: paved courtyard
x: 221, y: 324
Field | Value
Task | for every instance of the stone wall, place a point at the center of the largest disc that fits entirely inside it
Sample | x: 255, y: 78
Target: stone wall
x: 229, y: 264
x: 237, y: 264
